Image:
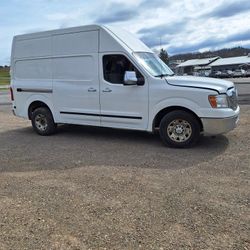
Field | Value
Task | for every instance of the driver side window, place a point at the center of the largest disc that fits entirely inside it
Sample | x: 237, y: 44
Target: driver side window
x: 115, y: 66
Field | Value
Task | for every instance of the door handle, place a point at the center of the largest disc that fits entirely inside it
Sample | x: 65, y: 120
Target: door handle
x: 91, y: 90
x: 107, y: 90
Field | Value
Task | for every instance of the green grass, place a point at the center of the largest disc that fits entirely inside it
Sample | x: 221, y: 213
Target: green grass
x: 4, y: 81
x: 4, y: 73
x: 4, y: 77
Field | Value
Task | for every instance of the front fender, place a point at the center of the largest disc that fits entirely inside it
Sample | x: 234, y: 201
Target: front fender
x: 171, y: 102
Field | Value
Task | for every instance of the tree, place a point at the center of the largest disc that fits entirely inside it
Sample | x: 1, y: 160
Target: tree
x: 164, y: 56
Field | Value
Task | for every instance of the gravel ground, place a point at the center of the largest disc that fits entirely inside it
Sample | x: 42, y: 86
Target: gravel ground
x: 239, y: 79
x: 95, y: 188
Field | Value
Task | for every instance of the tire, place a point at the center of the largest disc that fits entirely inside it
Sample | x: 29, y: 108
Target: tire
x: 179, y: 129
x: 43, y: 122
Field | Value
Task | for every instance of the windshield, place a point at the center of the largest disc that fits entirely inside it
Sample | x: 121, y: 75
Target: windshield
x: 153, y: 64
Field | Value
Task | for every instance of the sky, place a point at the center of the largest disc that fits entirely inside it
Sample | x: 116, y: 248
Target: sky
x: 177, y: 26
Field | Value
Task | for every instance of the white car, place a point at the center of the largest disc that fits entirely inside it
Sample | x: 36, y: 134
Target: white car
x: 239, y: 73
x: 104, y: 76
x: 248, y: 72
x: 230, y: 73
x: 218, y: 74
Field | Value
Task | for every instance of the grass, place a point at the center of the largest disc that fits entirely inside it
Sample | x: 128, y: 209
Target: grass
x: 4, y: 77
x: 4, y: 81
x: 4, y: 73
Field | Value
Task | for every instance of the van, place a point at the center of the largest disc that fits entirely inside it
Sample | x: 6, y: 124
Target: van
x: 104, y: 76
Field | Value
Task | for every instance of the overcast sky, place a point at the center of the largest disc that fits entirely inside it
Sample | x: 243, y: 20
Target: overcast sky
x: 180, y: 26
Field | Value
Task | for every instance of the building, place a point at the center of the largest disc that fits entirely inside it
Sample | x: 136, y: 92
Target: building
x: 209, y: 66
x: 173, y: 65
x: 230, y: 63
x: 196, y: 66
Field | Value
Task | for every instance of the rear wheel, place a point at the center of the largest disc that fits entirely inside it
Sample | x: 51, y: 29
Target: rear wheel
x: 43, y: 122
x: 179, y: 129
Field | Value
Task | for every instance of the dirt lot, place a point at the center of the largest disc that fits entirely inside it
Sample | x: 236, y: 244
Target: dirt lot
x: 92, y: 188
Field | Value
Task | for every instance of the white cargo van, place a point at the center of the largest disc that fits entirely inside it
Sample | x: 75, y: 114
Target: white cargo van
x: 104, y: 76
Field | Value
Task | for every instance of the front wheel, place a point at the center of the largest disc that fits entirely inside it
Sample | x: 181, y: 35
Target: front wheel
x: 179, y: 129
x: 43, y: 122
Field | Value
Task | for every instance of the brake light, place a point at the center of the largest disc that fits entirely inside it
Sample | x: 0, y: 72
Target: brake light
x: 11, y: 94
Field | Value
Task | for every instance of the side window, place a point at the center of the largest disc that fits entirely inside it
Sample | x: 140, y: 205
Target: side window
x: 115, y: 66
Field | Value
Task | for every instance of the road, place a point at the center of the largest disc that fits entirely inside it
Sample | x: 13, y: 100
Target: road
x: 244, y: 92
x: 243, y: 88
x: 4, y: 97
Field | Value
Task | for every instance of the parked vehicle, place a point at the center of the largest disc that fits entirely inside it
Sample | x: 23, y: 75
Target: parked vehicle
x: 224, y: 74
x: 230, y: 73
x: 215, y: 74
x: 104, y: 76
x: 247, y: 73
x: 246, y: 68
x: 203, y: 73
x: 239, y: 73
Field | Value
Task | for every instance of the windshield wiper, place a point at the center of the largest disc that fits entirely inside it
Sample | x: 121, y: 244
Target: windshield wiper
x: 162, y: 75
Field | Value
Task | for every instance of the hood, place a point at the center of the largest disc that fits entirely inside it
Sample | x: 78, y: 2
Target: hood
x: 218, y: 85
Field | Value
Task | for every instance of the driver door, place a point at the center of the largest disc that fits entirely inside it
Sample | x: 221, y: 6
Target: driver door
x: 122, y: 106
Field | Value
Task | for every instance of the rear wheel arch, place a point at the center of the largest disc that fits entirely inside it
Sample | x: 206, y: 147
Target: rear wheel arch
x: 35, y: 105
x: 159, y: 116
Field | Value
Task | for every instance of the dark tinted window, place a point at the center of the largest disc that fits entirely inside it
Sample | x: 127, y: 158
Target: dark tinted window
x: 115, y: 66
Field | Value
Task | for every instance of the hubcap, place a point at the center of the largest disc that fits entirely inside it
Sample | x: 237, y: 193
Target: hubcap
x: 179, y: 130
x: 41, y: 122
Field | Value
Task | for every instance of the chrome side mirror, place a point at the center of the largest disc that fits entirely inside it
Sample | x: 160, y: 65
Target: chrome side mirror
x: 130, y: 78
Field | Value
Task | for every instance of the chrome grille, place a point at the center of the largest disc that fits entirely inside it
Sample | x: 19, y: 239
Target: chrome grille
x: 232, y: 98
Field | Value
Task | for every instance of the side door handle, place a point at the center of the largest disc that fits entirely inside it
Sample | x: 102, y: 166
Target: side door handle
x: 107, y: 90
x: 92, y: 90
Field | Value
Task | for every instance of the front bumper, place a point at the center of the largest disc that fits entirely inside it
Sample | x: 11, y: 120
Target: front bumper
x: 216, y: 126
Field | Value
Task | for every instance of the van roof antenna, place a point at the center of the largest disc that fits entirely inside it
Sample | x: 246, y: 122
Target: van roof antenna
x: 160, y: 58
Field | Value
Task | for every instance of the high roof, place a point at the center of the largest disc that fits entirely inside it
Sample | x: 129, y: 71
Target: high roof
x: 231, y: 61
x: 112, y: 37
x: 198, y: 62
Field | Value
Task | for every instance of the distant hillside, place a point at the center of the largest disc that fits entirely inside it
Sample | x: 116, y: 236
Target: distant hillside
x: 238, y: 51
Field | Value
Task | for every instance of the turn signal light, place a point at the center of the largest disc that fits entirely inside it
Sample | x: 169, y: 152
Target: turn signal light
x: 213, y: 101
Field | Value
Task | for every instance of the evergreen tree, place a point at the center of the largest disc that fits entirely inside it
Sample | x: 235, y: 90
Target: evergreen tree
x: 164, y: 56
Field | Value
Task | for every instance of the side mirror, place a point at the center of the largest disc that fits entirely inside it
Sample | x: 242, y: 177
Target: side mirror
x: 130, y: 78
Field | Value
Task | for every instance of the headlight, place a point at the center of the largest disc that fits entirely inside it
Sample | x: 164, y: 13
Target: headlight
x: 218, y: 101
